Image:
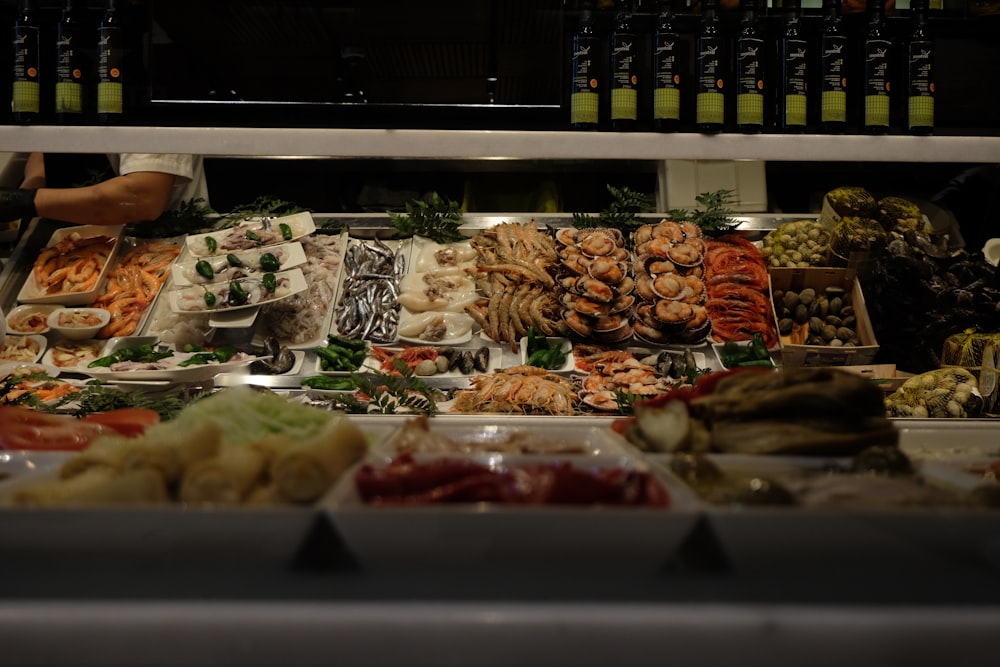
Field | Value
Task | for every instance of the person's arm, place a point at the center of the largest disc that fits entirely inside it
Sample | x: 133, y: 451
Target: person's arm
x: 34, y: 171
x: 120, y: 200
x: 132, y: 197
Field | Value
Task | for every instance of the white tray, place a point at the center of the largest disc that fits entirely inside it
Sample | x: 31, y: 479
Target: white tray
x: 184, y: 272
x: 271, y: 535
x: 488, y: 536
x: 297, y: 284
x: 302, y: 224
x: 32, y: 292
x: 793, y: 539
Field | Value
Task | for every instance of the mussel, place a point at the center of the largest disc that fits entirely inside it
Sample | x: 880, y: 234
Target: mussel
x: 281, y: 359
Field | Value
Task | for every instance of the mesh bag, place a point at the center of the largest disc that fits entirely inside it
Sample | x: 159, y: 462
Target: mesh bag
x: 797, y: 244
x: 979, y: 354
x: 945, y: 392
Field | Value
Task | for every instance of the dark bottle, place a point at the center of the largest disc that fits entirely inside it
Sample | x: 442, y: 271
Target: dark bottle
x: 710, y: 108
x: 750, y: 70
x: 666, y: 72
x: 877, y: 53
x: 624, y: 48
x: 920, y: 72
x: 26, y: 90
x: 585, y: 94
x: 833, y: 71
x: 791, y: 88
x: 69, y: 68
x: 110, y: 88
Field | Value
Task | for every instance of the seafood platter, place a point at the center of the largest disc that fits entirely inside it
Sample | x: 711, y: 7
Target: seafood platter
x: 71, y: 268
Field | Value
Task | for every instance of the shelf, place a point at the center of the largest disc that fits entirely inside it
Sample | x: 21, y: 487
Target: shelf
x: 491, y: 144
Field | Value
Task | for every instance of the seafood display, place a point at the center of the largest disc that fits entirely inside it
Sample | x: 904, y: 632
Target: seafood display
x: 515, y: 269
x: 819, y: 411
x: 30, y: 318
x: 134, y: 284
x: 519, y: 390
x: 251, y: 233
x: 72, y: 264
x: 303, y: 319
x: 236, y: 265
x: 855, y: 484
x: 243, y: 293
x: 669, y: 282
x: 23, y: 383
x: 598, y: 284
x: 73, y: 353
x: 612, y: 372
x: 812, y: 317
x: 406, y: 481
x: 22, y: 348
x: 427, y: 360
x: 368, y: 305
x: 738, y: 284
x: 435, y: 294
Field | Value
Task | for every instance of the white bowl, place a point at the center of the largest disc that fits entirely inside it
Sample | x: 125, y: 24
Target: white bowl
x: 78, y: 323
x: 18, y: 322
x: 30, y: 347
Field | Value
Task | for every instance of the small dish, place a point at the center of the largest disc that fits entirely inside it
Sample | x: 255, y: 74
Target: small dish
x: 256, y: 232
x: 564, y: 344
x: 23, y: 347
x: 30, y: 318
x: 78, y: 323
x: 719, y: 349
x: 71, y: 355
x: 121, y: 342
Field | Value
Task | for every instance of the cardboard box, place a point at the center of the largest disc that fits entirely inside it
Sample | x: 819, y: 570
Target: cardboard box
x: 886, y: 376
x: 784, y: 279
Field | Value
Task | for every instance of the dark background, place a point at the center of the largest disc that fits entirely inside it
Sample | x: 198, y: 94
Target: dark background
x: 459, y: 64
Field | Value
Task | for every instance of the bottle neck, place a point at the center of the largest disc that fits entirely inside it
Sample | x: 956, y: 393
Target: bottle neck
x: 831, y: 11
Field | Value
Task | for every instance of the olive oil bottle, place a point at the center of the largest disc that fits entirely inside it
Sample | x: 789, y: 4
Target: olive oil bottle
x: 710, y: 70
x: 877, y: 52
x: 26, y: 90
x: 750, y: 87
x: 666, y: 71
x: 69, y: 68
x: 624, y: 48
x: 585, y: 91
x: 793, y: 58
x: 110, y: 77
x: 920, y: 73
x: 833, y: 70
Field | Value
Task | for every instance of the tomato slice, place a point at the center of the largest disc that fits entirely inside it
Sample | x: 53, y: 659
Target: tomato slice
x: 23, y: 428
x: 129, y: 422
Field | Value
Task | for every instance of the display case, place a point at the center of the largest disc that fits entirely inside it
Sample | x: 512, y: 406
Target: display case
x: 918, y: 607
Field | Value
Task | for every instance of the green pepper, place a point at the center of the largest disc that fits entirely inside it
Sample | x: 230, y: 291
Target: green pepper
x: 237, y: 295
x: 191, y: 347
x: 286, y: 231
x: 211, y: 244
x: 199, y: 359
x: 338, y: 360
x: 142, y: 353
x: 209, y: 299
x: 252, y: 235
x: 329, y: 383
x: 350, y: 343
x: 224, y: 353
x: 234, y: 261
x: 269, y: 262
x: 270, y: 282
x: 204, y: 269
